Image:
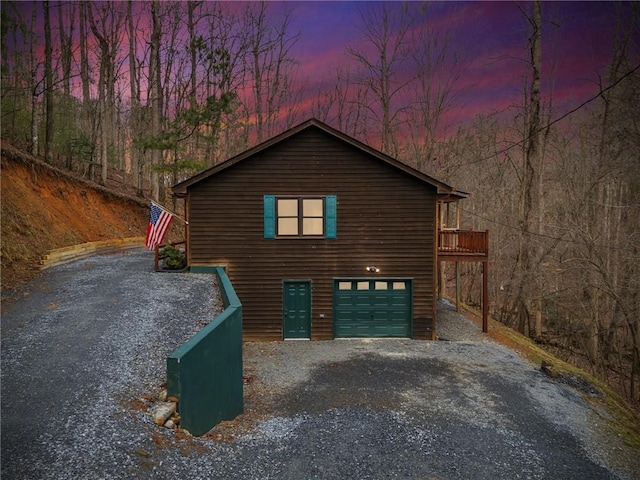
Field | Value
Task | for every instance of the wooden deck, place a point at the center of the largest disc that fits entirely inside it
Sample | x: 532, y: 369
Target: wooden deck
x: 467, y: 246
x: 463, y: 245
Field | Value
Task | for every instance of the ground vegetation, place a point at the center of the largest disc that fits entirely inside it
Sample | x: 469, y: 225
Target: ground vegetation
x: 156, y: 91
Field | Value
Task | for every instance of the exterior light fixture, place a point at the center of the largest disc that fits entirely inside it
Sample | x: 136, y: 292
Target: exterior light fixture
x: 373, y: 269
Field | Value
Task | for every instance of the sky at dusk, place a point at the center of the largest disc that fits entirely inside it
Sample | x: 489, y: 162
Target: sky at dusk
x: 490, y: 39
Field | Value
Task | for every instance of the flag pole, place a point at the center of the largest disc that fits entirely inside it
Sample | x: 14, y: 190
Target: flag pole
x: 162, y: 207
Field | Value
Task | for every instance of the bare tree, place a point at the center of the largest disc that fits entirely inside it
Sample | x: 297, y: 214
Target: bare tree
x: 35, y: 86
x: 66, y: 43
x: 576, y: 228
x: 106, y: 29
x: 221, y: 58
x: 339, y: 104
x: 135, y: 117
x: 529, y: 293
x: 612, y: 262
x: 193, y: 49
x: 48, y: 83
x: 439, y: 69
x: 155, y: 97
x: 89, y: 114
x: 67, y: 15
x: 20, y: 77
x: 385, y: 32
x: 270, y: 67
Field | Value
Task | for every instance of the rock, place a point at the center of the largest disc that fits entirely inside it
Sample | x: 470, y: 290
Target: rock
x: 163, y: 395
x: 549, y: 369
x: 161, y: 411
x: 170, y: 424
x: 172, y: 399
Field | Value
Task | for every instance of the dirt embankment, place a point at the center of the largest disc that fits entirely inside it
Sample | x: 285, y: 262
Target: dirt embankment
x: 44, y: 208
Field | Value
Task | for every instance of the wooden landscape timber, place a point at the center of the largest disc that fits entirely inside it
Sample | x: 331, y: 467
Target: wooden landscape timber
x: 61, y: 256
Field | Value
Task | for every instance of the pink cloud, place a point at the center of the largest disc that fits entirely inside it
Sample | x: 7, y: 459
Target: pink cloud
x: 490, y: 36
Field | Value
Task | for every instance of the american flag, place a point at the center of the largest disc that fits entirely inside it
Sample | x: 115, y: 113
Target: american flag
x: 159, y: 221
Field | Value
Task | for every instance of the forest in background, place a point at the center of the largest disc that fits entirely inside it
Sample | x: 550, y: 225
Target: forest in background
x: 162, y: 90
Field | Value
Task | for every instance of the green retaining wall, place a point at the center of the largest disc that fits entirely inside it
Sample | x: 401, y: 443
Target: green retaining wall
x: 205, y: 373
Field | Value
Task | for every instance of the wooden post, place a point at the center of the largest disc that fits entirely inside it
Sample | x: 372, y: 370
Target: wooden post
x: 457, y: 286
x: 187, y: 243
x: 485, y: 296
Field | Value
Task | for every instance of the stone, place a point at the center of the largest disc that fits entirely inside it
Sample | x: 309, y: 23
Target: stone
x: 163, y: 395
x: 170, y: 424
x: 549, y: 369
x: 161, y: 411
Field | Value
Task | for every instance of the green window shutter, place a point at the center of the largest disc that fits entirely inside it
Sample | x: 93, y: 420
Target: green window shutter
x: 269, y: 216
x: 331, y: 209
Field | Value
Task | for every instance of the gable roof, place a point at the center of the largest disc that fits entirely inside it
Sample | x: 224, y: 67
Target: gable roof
x: 444, y: 190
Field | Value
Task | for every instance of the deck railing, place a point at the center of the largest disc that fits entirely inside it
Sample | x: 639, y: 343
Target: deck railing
x: 463, y: 242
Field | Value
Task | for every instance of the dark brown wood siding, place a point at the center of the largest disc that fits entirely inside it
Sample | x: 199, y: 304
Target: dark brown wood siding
x: 385, y: 218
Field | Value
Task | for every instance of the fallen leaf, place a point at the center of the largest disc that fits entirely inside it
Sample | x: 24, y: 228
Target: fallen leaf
x: 142, y: 453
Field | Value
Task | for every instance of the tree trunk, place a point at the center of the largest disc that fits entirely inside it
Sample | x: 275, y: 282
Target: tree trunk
x: 271, y: 70
x: 66, y: 58
x: 33, y: 67
x: 529, y: 295
x: 438, y: 70
x: 102, y: 100
x: 191, y: 6
x: 34, y: 122
x: 155, y: 99
x: 385, y: 53
x: 534, y: 155
x: 87, y: 123
x: 48, y: 84
x: 108, y: 37
x: 134, y: 86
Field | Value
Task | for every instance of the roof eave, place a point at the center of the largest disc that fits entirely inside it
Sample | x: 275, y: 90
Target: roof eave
x: 180, y: 190
x: 452, y: 195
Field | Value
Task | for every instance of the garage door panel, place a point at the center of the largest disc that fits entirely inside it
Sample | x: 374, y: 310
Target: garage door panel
x: 362, y: 297
x: 380, y: 300
x: 398, y: 300
x: 372, y: 308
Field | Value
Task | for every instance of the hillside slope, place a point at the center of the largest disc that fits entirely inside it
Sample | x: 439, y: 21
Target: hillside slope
x: 44, y: 207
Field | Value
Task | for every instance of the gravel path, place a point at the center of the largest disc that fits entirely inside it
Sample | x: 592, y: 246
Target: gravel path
x: 91, y: 339
x: 456, y: 328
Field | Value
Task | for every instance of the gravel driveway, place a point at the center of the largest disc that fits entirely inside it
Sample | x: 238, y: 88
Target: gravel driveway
x: 88, y: 343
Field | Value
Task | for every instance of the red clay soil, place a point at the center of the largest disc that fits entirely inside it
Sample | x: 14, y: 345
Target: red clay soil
x: 44, y: 208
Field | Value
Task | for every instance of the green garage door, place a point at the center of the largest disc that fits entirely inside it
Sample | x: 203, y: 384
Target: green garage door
x: 372, y: 308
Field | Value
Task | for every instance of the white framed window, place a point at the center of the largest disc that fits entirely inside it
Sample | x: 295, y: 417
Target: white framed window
x: 303, y: 216
x: 300, y: 217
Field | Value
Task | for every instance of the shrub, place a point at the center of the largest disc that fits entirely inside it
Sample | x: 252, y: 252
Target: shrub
x: 173, y: 258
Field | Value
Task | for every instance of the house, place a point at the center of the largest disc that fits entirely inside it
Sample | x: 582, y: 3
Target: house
x: 321, y: 235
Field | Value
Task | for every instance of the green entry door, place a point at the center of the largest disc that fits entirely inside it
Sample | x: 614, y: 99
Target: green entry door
x: 296, y: 309
x: 372, y: 308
